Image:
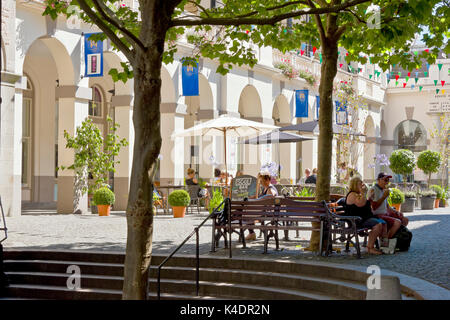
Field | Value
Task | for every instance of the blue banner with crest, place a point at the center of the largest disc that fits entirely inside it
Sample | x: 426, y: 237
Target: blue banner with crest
x: 93, y: 56
x: 189, y: 79
x: 341, y: 113
x: 301, y: 103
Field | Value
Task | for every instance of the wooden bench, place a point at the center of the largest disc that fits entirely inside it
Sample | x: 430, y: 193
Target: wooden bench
x: 272, y: 216
x: 344, y: 229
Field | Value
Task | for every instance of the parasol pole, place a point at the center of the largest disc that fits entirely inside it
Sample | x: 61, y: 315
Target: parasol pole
x: 225, y: 155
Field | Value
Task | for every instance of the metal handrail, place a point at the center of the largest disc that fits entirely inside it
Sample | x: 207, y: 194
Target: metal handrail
x: 197, y: 252
x: 4, y: 228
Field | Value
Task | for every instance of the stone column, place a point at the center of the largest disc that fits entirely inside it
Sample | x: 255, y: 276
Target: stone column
x: 11, y: 143
x: 123, y: 112
x: 172, y: 151
x: 73, y: 110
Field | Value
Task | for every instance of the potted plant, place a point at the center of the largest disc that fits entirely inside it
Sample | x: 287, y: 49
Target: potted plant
x: 179, y: 200
x: 410, y: 201
x: 429, y: 162
x: 396, y: 198
x: 104, y: 198
x: 402, y: 161
x: 216, y: 200
x: 427, y: 199
x: 439, y: 194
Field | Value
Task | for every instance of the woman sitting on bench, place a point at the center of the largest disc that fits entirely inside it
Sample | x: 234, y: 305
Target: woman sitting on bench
x: 358, y: 205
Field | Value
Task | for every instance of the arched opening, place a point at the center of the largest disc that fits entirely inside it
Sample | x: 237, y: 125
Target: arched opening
x: 195, y: 146
x: 47, y: 64
x: 369, y: 149
x: 250, y: 103
x: 251, y: 157
x: 281, y: 152
x: 410, y: 134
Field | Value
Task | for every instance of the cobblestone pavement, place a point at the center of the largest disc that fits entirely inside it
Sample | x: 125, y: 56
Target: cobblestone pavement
x: 428, y: 257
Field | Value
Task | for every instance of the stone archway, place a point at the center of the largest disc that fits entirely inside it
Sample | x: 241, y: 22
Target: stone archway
x: 49, y: 66
x: 282, y: 152
x: 251, y: 157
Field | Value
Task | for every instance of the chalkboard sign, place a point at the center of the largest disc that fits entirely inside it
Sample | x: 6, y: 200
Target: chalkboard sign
x: 243, y: 187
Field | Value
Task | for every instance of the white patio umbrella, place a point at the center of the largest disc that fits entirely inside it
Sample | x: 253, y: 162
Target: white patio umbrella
x: 226, y: 126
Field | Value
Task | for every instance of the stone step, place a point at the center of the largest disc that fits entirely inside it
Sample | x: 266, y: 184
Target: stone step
x: 285, y: 267
x: 350, y: 290
x: 41, y: 292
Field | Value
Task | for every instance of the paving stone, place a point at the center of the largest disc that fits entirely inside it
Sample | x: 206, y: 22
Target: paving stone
x: 428, y: 257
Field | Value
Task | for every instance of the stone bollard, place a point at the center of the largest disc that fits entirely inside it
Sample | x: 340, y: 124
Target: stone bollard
x: 389, y: 289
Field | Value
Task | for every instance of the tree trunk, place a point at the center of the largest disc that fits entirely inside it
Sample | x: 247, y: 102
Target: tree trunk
x: 328, y: 72
x: 147, y: 145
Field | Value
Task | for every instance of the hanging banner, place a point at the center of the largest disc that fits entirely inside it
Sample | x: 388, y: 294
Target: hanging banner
x: 93, y: 56
x: 341, y: 113
x: 301, y: 103
x: 317, y: 106
x: 189, y: 77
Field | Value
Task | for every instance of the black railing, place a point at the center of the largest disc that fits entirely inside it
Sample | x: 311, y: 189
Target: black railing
x: 197, y: 252
x: 3, y: 223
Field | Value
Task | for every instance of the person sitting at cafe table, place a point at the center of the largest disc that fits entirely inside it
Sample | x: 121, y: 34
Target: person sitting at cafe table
x: 192, y: 181
x: 268, y: 191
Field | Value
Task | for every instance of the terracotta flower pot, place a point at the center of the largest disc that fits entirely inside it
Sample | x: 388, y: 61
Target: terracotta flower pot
x: 103, y: 209
x: 436, y: 203
x: 179, y: 212
x: 397, y: 206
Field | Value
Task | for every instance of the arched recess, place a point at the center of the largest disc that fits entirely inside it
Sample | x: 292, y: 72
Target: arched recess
x: 250, y: 103
x: 281, y: 154
x: 281, y: 113
x: 47, y: 64
x: 369, y: 149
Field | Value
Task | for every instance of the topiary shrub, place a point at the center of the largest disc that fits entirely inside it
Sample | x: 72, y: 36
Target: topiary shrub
x: 410, y: 194
x: 396, y: 196
x: 179, y: 198
x: 104, y: 196
x: 428, y: 193
x: 439, y: 191
x: 403, y: 162
x: 429, y: 162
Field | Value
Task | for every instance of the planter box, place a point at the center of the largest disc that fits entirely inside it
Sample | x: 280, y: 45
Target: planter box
x: 427, y: 203
x: 408, y: 205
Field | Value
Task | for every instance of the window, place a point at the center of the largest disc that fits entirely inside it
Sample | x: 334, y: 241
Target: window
x: 410, y: 134
x: 96, y: 104
x: 26, y: 142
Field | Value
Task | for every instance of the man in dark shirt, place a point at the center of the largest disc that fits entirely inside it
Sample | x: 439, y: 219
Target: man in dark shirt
x: 312, y: 178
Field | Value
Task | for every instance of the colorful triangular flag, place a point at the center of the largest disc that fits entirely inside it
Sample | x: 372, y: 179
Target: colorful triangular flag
x: 443, y: 82
x: 314, y: 50
x: 416, y: 79
x: 407, y: 78
x: 437, y: 91
x: 420, y: 88
x: 443, y: 91
x: 425, y: 73
x: 440, y: 66
x: 396, y: 83
x: 370, y: 76
x: 404, y: 85
x: 435, y: 82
